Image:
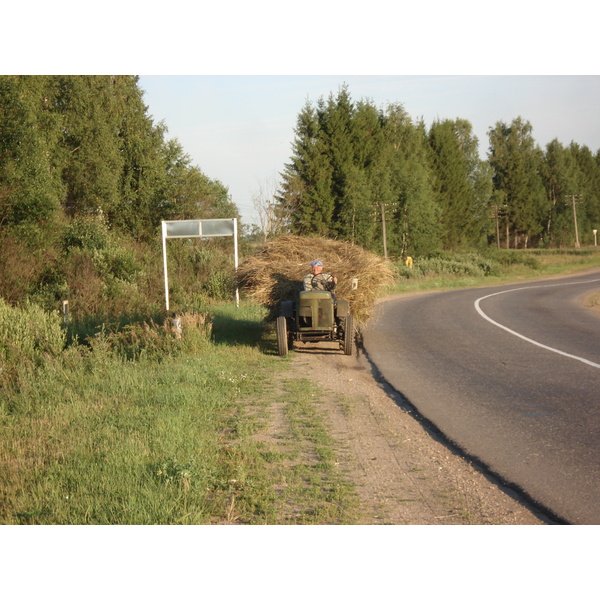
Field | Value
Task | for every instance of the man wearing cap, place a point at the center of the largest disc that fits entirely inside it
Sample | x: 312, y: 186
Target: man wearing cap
x: 317, y: 280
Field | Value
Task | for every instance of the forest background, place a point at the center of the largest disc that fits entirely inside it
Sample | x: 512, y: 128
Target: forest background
x: 86, y: 176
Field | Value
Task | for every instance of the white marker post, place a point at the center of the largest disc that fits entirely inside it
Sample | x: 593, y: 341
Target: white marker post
x: 202, y: 228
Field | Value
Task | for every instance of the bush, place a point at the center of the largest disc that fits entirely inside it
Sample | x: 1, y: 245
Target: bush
x: 29, y: 337
x: 220, y: 285
x: 20, y: 268
x: 460, y: 265
x: 508, y: 258
x: 86, y: 234
x: 188, y: 332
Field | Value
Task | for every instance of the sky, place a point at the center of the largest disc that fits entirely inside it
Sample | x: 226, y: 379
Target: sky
x: 239, y: 129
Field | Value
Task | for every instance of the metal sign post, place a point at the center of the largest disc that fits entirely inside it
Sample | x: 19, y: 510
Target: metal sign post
x: 202, y: 228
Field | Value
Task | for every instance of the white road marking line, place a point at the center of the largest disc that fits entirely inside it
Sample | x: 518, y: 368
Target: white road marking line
x: 519, y: 335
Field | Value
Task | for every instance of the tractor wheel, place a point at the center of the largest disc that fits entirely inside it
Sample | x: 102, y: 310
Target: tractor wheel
x: 282, y: 336
x: 349, y: 335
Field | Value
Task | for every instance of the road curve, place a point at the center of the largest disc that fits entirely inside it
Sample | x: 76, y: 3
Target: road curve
x: 511, y: 375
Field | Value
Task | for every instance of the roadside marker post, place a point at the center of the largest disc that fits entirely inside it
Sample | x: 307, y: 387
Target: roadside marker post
x: 199, y: 228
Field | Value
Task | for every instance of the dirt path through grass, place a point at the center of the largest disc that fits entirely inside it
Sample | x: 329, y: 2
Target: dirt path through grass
x: 402, y: 473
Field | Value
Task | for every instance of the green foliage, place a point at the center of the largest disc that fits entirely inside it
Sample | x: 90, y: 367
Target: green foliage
x: 441, y: 264
x: 200, y: 270
x: 78, y: 146
x: 86, y: 177
x: 141, y: 429
x: 460, y: 181
x: 517, y: 162
x: 30, y: 183
x: 188, y: 192
x: 349, y: 160
x: 508, y: 258
x: 29, y: 338
x: 85, y: 233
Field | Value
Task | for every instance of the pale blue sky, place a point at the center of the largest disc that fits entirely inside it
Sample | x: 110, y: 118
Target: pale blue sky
x: 239, y: 129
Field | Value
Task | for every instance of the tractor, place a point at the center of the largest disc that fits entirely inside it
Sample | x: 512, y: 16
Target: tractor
x: 315, y: 316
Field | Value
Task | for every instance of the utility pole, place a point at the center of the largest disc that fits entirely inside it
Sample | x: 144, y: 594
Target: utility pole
x: 574, y: 199
x: 391, y: 209
x: 499, y: 211
x: 383, y: 230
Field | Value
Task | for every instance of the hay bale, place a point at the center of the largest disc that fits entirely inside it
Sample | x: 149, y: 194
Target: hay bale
x: 276, y: 273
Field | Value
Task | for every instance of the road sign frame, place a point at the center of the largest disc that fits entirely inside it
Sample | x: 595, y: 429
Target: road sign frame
x: 198, y: 228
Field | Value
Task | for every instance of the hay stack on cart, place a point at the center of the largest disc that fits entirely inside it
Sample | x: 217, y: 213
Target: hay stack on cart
x: 276, y: 273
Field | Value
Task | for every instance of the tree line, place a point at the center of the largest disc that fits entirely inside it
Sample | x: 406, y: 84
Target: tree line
x: 75, y: 146
x: 86, y: 176
x: 79, y: 145
x: 357, y: 171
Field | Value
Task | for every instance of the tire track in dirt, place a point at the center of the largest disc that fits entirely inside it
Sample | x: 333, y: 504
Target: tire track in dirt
x: 402, y: 473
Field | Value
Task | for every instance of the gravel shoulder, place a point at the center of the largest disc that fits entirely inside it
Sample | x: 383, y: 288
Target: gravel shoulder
x: 402, y: 471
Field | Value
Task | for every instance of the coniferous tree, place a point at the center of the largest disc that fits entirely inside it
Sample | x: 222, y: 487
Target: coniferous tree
x: 143, y: 176
x: 517, y: 161
x: 355, y: 201
x: 89, y: 150
x: 306, y: 189
x: 457, y: 173
x: 349, y: 162
x: 415, y: 228
x: 86, y: 145
x: 336, y: 121
x: 30, y: 176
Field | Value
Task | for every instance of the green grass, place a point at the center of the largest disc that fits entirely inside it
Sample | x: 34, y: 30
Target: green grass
x: 124, y: 442
x: 493, y: 268
x: 105, y: 435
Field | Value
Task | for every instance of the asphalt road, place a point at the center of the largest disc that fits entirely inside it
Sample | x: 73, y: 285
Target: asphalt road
x: 511, y: 375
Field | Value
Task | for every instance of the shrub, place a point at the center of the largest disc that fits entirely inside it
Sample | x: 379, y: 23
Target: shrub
x: 20, y: 267
x: 29, y: 337
x: 190, y: 332
x: 460, y: 265
x: 515, y: 257
x: 85, y: 233
x: 220, y: 285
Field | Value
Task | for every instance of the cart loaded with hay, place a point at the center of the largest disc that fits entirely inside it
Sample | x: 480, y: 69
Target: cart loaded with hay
x: 274, y: 278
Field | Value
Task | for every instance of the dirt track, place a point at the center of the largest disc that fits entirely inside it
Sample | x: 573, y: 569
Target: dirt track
x: 403, y: 472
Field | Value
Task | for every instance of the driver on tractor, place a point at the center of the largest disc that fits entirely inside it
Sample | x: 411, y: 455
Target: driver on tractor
x: 317, y: 280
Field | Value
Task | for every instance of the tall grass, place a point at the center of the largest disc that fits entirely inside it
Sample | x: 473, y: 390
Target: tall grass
x: 30, y: 338
x: 143, y: 426
x: 127, y: 430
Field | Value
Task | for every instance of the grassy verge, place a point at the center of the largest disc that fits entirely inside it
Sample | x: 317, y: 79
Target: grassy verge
x: 493, y: 268
x: 142, y: 428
